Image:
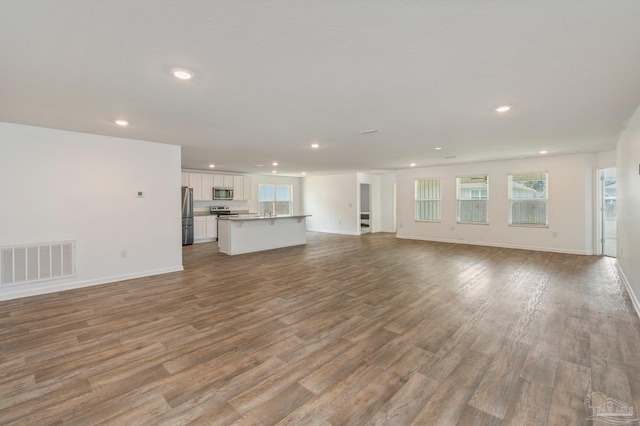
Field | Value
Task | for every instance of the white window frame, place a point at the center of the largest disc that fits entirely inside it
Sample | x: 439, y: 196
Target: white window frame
x: 274, y: 200
x: 541, y: 198
x: 478, y: 201
x: 428, y: 201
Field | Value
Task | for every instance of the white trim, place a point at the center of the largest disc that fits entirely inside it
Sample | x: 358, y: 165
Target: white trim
x: 632, y: 296
x: 488, y: 244
x: 19, y: 291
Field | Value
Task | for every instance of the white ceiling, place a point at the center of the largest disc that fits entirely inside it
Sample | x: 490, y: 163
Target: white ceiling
x: 272, y: 77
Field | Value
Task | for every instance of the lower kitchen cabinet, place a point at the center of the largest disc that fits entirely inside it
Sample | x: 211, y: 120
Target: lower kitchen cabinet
x: 212, y: 227
x: 199, y: 229
x: 205, y: 229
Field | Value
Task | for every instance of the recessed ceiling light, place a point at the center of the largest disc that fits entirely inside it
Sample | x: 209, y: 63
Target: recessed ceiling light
x: 182, y: 74
x: 315, y: 145
x: 304, y: 173
x: 503, y: 108
x: 274, y: 171
x: 121, y: 122
x: 275, y: 163
x: 259, y: 165
x: 412, y: 164
x: 438, y: 148
x: 212, y: 166
x: 544, y: 151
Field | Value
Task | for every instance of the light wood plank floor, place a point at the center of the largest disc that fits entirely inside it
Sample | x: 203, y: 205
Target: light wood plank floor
x: 343, y: 331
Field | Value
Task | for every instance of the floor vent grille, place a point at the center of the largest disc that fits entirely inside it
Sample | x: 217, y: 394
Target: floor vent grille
x: 37, y: 262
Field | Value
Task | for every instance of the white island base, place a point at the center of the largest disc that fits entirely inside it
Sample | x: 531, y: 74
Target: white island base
x: 237, y: 235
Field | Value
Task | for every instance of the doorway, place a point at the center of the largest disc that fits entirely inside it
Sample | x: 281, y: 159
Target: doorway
x: 608, y: 211
x: 365, y: 208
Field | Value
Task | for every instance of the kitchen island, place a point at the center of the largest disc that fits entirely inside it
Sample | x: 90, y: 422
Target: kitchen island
x: 247, y: 234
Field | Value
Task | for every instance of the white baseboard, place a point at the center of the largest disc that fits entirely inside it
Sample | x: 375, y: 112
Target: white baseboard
x: 43, y: 287
x: 489, y: 244
x: 632, y: 295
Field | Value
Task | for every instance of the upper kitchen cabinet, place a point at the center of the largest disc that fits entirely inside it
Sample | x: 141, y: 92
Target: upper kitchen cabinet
x: 223, y: 181
x: 241, y: 188
x: 247, y: 188
x: 201, y: 184
x: 195, y: 182
x: 238, y: 188
x: 207, y: 186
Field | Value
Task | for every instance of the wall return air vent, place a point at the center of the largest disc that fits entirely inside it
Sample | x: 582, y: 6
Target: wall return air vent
x: 23, y: 264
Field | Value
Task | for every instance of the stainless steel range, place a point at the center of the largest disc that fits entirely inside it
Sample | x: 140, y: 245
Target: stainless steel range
x: 221, y: 211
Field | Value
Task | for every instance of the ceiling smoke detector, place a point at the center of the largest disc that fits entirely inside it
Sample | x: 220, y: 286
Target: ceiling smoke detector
x: 374, y: 130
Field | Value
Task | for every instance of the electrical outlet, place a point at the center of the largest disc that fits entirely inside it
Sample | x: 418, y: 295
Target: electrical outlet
x: 453, y: 228
x: 554, y: 234
x: 123, y: 254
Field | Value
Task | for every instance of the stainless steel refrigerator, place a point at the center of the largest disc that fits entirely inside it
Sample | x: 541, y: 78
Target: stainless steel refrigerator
x: 187, y: 216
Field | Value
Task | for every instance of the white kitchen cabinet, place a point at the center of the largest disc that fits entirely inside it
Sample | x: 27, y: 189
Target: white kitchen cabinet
x: 238, y: 188
x: 203, y: 184
x: 199, y: 229
x: 212, y: 227
x: 207, y: 187
x: 246, y: 193
x: 205, y: 229
x: 195, y: 182
x: 241, y: 188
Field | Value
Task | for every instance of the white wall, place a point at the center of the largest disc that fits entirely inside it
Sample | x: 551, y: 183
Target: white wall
x: 570, y: 205
x: 332, y: 201
x: 628, y: 150
x: 387, y: 206
x: 59, y: 185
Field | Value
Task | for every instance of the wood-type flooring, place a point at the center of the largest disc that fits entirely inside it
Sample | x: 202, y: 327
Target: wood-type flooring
x: 346, y: 330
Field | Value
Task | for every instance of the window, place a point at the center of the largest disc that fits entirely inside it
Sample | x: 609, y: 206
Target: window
x: 473, y: 199
x: 528, y: 195
x: 275, y: 199
x: 427, y: 194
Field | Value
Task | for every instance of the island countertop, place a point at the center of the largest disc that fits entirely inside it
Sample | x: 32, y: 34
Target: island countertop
x: 260, y: 217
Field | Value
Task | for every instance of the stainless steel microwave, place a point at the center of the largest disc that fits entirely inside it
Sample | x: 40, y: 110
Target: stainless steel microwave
x: 223, y: 193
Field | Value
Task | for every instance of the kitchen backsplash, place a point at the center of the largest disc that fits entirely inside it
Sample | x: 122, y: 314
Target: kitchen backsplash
x: 201, y: 206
